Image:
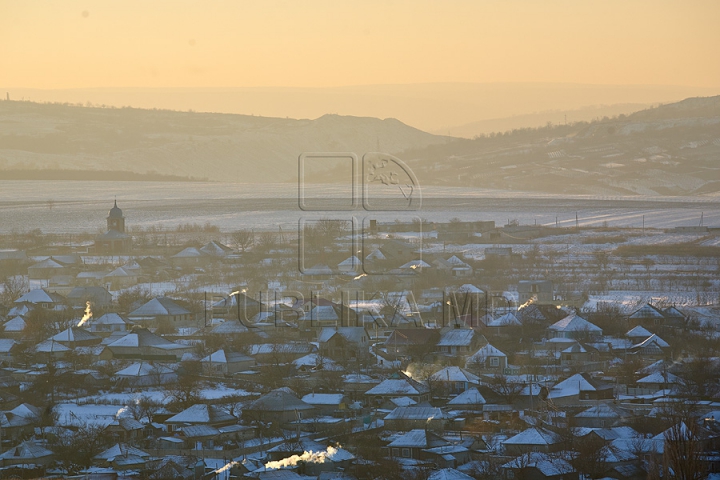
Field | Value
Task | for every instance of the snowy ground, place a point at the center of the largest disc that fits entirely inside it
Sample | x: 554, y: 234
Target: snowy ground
x: 160, y: 396
x: 83, y: 206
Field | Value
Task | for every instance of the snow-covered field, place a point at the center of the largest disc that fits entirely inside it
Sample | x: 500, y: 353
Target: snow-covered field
x: 71, y: 207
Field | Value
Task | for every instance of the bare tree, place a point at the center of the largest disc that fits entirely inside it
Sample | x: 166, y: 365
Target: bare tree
x: 699, y: 378
x: 267, y: 241
x: 186, y: 392
x: 144, y: 407
x: 13, y: 287
x: 243, y: 239
x: 75, y: 452
x: 507, y: 388
x: 683, y: 450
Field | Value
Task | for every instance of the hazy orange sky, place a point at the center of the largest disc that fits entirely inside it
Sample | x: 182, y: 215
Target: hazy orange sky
x: 80, y: 44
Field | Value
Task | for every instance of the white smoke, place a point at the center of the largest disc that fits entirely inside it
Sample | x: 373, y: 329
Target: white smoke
x: 307, y: 457
x: 87, y: 316
x: 225, y: 470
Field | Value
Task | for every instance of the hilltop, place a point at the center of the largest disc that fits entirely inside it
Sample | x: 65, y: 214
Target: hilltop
x: 223, y: 147
x: 672, y: 149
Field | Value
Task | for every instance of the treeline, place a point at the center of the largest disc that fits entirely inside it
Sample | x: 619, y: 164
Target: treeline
x: 93, y: 175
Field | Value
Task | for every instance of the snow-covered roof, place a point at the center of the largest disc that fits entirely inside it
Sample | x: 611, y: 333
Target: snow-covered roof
x: 6, y: 344
x: 313, y: 360
x: 659, y: 377
x: 448, y: 474
x: 399, y: 387
x: 229, y: 327
x: 403, y: 401
x: 16, y: 324
x: 415, y: 264
x: 141, y: 369
x: 574, y: 323
x: 216, y: 249
x: 279, y: 400
x: 549, y: 466
x: 141, y: 337
x: 483, y: 354
x: 51, y: 346
x: 159, y: 306
x: 647, y: 311
x: 26, y: 410
x: 352, y: 261
x: 351, y: 334
x: 48, y: 263
x: 318, y: 269
x: 287, y: 348
x: 323, y: 398
x: 454, y: 374
x: 652, y: 340
x: 571, y: 386
x: 418, y: 438
x: 189, y: 252
x: 201, y: 413
x: 602, y: 410
x: 638, y: 332
x: 120, y: 272
x: 468, y: 287
x: 415, y: 413
x: 110, y: 319
x: 28, y: 450
x: 323, y: 313
x: 40, y: 295
x: 471, y: 396
x: 576, y: 348
x: 457, y: 337
x: 375, y: 255
x: 74, y: 334
x: 121, y: 450
x: 534, y: 436
x: 220, y: 356
x: 504, y: 320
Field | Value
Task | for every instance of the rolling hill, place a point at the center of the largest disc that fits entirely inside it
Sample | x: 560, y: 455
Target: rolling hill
x: 221, y: 147
x: 673, y: 149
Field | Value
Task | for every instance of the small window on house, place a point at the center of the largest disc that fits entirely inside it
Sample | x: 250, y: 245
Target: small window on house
x: 494, y: 362
x: 395, y: 452
x: 406, y: 452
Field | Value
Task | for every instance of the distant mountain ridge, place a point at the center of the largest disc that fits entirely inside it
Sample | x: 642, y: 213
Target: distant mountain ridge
x: 673, y: 149
x: 222, y: 147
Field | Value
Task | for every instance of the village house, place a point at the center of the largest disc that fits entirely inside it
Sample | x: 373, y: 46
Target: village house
x: 412, y: 444
x: 456, y: 342
x: 98, y: 297
x: 279, y: 405
x: 412, y: 417
x: 343, y: 342
x: 141, y: 344
x: 222, y: 362
x: 487, y: 359
x: 159, y: 310
x: 382, y: 393
x: 452, y: 380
